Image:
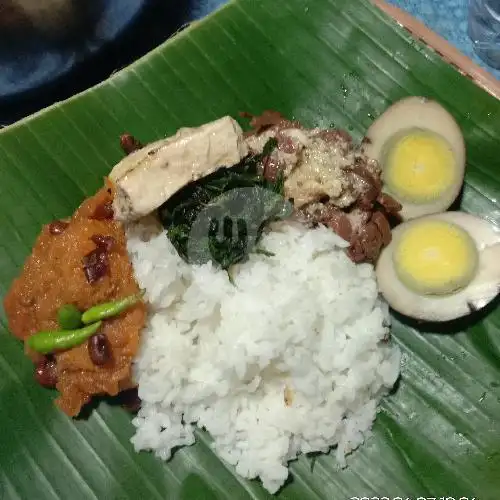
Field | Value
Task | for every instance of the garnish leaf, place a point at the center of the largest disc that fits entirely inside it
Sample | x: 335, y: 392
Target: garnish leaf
x: 221, y: 217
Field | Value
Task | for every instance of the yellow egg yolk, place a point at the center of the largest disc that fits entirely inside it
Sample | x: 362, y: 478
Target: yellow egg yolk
x: 435, y: 257
x: 419, y: 167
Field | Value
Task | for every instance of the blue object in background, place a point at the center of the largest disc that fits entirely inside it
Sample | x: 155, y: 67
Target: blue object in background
x: 35, y: 62
x: 35, y: 76
x: 484, y: 30
x: 449, y: 19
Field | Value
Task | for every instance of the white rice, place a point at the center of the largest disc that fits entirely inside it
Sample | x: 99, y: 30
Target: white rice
x: 220, y: 356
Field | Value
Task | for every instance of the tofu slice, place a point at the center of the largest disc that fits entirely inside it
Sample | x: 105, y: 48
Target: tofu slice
x: 147, y: 178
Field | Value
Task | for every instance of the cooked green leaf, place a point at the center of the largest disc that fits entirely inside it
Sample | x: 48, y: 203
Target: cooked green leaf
x: 221, y: 217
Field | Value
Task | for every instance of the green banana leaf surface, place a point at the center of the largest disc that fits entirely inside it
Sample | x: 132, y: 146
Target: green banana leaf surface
x: 324, y: 62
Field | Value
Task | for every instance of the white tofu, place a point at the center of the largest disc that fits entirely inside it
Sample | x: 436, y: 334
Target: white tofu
x: 147, y: 178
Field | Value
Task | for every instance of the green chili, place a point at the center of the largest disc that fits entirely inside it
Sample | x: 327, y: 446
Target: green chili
x: 50, y: 341
x: 69, y: 317
x: 110, y: 309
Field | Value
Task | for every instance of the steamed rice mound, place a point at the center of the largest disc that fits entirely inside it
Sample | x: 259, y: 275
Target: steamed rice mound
x: 292, y: 358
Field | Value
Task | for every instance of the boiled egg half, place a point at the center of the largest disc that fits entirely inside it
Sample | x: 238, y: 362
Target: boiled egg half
x: 422, y: 154
x: 441, y: 267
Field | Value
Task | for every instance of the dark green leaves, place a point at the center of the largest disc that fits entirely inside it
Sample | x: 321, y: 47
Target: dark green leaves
x: 221, y: 217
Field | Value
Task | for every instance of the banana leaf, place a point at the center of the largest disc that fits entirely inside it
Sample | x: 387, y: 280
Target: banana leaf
x: 324, y: 62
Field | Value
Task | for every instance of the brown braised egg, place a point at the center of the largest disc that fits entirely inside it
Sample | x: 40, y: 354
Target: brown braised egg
x: 441, y: 267
x: 421, y: 151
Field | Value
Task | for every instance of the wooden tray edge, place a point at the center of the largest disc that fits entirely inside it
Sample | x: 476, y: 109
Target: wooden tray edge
x: 443, y: 48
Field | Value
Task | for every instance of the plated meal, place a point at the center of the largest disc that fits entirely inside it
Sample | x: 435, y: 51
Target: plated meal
x: 241, y: 281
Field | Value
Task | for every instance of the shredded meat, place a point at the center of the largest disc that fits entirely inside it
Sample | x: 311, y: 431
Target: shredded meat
x: 390, y: 205
x: 52, y: 276
x: 368, y: 232
x: 346, y: 196
x: 335, y: 219
x: 334, y: 135
x: 380, y: 220
x: 369, y: 180
x: 129, y: 143
x: 338, y: 137
x: 370, y: 239
x: 268, y: 119
x: 285, y: 143
x: 271, y: 168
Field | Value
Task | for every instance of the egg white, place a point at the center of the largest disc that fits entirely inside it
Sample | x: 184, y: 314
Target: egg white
x: 421, y: 113
x: 480, y: 291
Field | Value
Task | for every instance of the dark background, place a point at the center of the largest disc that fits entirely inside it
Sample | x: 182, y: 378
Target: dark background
x: 155, y: 21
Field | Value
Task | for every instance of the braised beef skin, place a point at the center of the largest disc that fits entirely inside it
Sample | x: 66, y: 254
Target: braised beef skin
x: 364, y: 222
x: 53, y: 276
x: 268, y: 119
